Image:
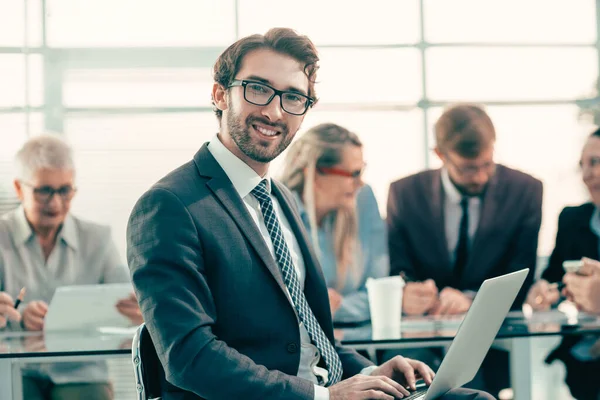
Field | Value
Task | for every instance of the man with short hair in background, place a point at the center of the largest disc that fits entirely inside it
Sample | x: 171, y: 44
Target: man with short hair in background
x: 472, y: 219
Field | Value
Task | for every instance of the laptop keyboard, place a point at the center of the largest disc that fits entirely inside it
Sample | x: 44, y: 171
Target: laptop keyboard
x: 417, y: 394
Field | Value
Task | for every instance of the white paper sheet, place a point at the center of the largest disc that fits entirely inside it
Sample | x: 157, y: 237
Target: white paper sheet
x: 87, y: 307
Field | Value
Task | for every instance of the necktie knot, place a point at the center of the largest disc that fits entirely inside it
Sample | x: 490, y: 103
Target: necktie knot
x: 464, y: 203
x: 261, y: 193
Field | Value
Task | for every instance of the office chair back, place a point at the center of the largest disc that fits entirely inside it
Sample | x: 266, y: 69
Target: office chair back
x: 146, y: 365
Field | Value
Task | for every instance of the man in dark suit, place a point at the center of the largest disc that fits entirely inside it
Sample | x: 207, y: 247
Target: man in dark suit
x: 233, y: 296
x: 473, y: 219
x: 452, y: 228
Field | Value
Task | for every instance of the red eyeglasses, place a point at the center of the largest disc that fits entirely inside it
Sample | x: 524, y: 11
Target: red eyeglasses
x: 341, y: 172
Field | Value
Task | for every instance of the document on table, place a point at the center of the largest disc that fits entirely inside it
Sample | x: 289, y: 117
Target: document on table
x: 87, y: 307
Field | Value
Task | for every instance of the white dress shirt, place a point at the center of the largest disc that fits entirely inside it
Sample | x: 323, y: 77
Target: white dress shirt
x: 453, y: 214
x: 245, y: 179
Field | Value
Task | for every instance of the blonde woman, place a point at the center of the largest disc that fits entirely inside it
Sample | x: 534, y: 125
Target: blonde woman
x: 324, y: 169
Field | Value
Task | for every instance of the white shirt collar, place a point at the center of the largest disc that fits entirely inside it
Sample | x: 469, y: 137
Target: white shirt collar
x: 22, y: 232
x: 451, y: 192
x: 243, y: 177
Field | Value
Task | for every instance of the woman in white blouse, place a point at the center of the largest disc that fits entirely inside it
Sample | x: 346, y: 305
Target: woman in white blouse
x: 42, y: 247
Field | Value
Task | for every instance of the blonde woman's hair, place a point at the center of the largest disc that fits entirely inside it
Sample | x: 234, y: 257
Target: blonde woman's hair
x: 322, y: 146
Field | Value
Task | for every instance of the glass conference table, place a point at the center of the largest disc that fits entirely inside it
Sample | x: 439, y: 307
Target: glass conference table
x: 20, y: 348
x: 515, y: 336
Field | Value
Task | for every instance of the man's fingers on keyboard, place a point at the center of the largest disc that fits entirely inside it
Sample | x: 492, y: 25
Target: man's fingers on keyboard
x: 390, y: 386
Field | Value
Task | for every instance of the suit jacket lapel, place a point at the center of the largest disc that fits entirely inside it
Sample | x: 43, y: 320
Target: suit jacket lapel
x: 225, y: 192
x: 315, y: 287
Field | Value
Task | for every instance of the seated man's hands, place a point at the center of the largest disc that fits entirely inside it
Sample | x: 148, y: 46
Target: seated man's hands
x: 452, y: 301
x: 542, y: 296
x: 335, y: 300
x: 7, y: 310
x: 583, y: 288
x: 405, y: 371
x: 130, y: 308
x: 419, y: 297
x: 33, y: 315
x: 361, y: 387
x: 388, y: 381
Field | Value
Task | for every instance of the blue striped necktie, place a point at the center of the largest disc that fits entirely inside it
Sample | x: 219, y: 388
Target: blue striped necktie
x: 284, y: 259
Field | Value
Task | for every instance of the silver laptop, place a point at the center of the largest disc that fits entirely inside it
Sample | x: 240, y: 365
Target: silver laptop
x: 475, y: 335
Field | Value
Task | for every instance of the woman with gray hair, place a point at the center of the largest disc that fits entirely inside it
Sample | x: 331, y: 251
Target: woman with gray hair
x: 42, y: 247
x: 323, y: 169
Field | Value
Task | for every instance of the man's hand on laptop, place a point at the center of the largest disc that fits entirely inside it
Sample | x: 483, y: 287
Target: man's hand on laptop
x: 452, y: 301
x: 7, y: 309
x: 393, y: 379
x: 361, y: 387
x: 419, y: 297
x: 405, y: 371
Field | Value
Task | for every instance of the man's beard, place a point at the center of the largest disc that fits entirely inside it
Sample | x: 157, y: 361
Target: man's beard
x: 259, y: 151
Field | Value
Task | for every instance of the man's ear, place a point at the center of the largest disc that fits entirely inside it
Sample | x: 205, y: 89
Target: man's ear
x: 439, y: 153
x: 219, y: 95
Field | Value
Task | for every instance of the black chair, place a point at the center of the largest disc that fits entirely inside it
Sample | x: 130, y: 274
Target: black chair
x: 148, y: 370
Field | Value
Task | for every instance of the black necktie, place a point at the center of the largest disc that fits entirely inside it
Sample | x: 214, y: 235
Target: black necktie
x: 462, y: 249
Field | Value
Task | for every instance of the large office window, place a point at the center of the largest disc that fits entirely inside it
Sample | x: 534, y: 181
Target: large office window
x: 139, y: 23
x: 21, y: 86
x: 121, y: 156
x: 131, y: 89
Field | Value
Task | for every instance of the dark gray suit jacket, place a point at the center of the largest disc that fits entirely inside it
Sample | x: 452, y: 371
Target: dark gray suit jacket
x: 506, y: 239
x: 213, y: 296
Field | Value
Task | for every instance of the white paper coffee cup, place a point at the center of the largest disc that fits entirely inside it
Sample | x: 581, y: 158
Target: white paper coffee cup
x: 385, y: 305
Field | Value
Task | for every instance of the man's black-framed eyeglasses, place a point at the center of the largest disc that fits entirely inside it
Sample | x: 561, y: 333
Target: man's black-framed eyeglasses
x: 44, y: 194
x: 261, y: 94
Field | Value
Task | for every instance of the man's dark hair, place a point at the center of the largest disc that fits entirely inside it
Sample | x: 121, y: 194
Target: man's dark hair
x: 281, y: 40
x: 465, y: 129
